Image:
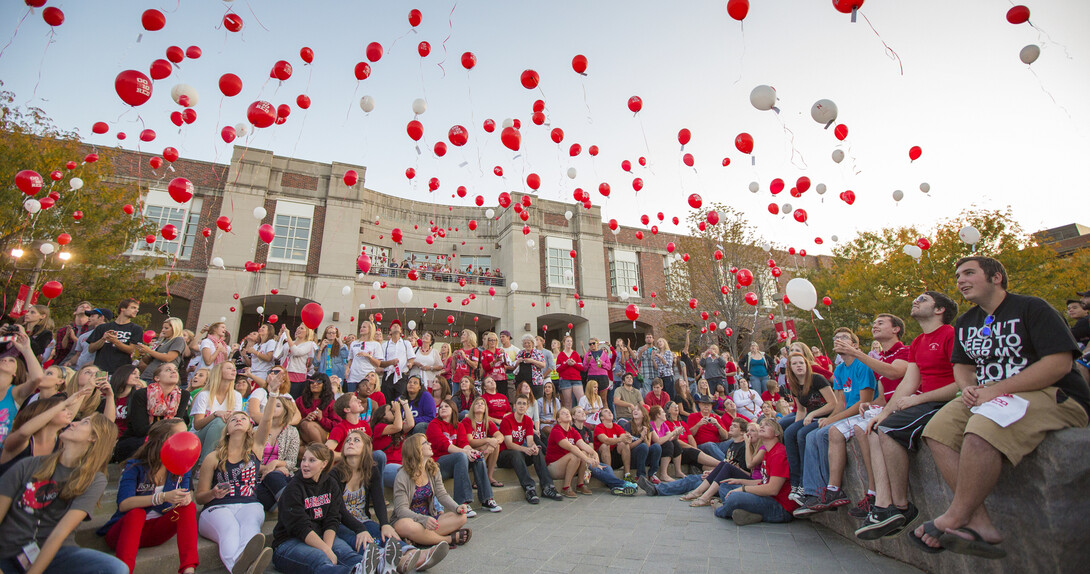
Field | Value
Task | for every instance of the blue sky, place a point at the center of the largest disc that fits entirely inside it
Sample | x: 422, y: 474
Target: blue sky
x: 994, y: 132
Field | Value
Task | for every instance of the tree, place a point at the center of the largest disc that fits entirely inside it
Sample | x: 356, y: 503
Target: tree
x: 97, y: 270
x: 873, y: 275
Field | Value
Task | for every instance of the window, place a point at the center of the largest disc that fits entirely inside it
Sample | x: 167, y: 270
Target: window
x: 160, y: 210
x: 676, y: 276
x: 292, y: 225
x: 420, y: 258
x: 380, y: 256
x: 475, y: 263
x: 559, y: 267
x: 624, y: 272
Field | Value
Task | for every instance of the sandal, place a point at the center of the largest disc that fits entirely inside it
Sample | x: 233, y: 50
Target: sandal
x: 495, y: 483
x: 975, y: 547
x: 700, y: 502
x: 930, y: 530
x: 460, y: 537
x: 691, y: 495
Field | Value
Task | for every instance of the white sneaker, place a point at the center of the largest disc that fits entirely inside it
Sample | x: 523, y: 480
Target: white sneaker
x: 471, y: 513
x: 491, y: 505
x: 797, y: 495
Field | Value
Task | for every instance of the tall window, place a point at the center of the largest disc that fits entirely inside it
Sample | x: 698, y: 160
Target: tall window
x: 380, y: 256
x: 475, y: 262
x: 160, y: 210
x: 676, y: 276
x: 624, y: 272
x: 292, y: 224
x: 559, y: 267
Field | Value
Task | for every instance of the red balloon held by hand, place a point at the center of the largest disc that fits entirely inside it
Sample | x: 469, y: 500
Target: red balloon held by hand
x: 180, y: 452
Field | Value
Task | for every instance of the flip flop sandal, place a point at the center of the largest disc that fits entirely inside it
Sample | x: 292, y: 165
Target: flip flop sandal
x: 700, y: 502
x: 495, y: 484
x: 975, y: 547
x: 461, y: 537
x: 690, y: 496
x: 436, y: 555
x: 930, y: 530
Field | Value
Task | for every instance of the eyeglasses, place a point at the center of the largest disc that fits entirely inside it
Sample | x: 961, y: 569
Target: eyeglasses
x: 986, y: 331
x: 921, y: 299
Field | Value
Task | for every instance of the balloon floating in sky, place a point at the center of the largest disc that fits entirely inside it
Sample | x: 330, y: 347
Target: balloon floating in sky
x: 762, y: 97
x: 824, y: 112
x: 969, y: 234
x: 1029, y: 54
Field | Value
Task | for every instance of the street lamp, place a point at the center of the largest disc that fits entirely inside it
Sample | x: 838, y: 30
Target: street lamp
x: 17, y: 252
x: 40, y: 250
x: 64, y: 255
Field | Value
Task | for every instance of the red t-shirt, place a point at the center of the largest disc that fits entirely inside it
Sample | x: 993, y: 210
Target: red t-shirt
x: 684, y: 436
x: 566, y: 372
x: 775, y: 464
x: 442, y: 434
x: 825, y: 364
x: 386, y: 444
x: 556, y: 452
x: 931, y: 353
x: 897, y: 352
x: 476, y: 431
x: 518, y: 431
x: 378, y: 397
x: 340, y: 432
x: 821, y: 370
x: 769, y: 397
x: 498, y: 406
x: 651, y: 400
x: 612, y: 432
x: 494, y: 363
x: 707, y: 432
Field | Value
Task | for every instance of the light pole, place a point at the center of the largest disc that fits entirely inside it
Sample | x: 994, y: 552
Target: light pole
x: 42, y: 250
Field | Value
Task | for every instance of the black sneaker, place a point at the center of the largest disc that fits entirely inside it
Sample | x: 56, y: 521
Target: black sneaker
x: 551, y: 493
x: 491, y: 505
x: 647, y: 486
x: 911, y: 514
x: 864, y: 507
x: 825, y: 500
x: 881, y: 522
x: 797, y: 495
x: 531, y: 496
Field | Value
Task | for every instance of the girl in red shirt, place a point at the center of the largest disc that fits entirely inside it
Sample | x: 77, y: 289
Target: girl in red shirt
x: 484, y: 436
x: 450, y: 448
x: 570, y: 368
x: 498, y: 405
x: 568, y: 455
x: 464, y: 398
x: 749, y: 501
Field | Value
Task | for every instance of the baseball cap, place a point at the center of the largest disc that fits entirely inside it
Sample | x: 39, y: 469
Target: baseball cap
x: 506, y: 333
x: 702, y: 398
x: 395, y: 322
x: 108, y: 314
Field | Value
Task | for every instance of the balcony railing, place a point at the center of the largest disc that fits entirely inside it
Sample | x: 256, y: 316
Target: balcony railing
x: 444, y: 277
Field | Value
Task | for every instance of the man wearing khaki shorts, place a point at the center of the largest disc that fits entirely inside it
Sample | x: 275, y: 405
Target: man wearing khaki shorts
x: 1012, y: 357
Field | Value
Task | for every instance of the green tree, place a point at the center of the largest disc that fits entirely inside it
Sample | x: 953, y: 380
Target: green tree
x: 97, y: 270
x: 873, y: 275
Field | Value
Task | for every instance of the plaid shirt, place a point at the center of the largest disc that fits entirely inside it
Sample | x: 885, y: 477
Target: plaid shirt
x: 648, y: 370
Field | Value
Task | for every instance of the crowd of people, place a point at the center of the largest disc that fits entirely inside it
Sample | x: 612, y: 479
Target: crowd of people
x: 439, y: 271
x: 318, y: 428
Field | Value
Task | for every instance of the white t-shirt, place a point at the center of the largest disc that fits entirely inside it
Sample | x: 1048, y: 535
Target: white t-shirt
x: 402, y: 350
x: 297, y: 359
x: 201, y: 406
x: 748, y: 403
x: 259, y: 367
x: 360, y: 365
x: 592, y: 411
x: 423, y: 359
x: 205, y: 344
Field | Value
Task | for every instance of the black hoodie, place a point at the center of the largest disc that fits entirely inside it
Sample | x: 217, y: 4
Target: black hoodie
x: 307, y: 506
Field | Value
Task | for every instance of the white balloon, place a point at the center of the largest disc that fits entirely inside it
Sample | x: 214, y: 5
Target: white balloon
x: 405, y: 294
x: 623, y: 296
x: 763, y: 97
x: 411, y: 324
x: 969, y: 234
x: 722, y: 324
x: 898, y: 195
x: 75, y: 183
x: 376, y: 285
x: 802, y: 294
x: 363, y: 305
x: 823, y: 111
x: 218, y: 262
x: 223, y: 319
x: 490, y: 213
x: 1029, y: 54
x: 568, y: 215
x: 530, y: 243
x: 786, y: 208
x: 572, y: 173
x: 419, y: 106
x: 296, y: 299
x: 569, y: 274
x: 32, y: 205
x: 241, y: 129
x: 835, y: 238
x: 754, y: 186
x: 346, y: 290
x: 508, y: 123
x: 180, y: 90
x: 260, y: 310
x: 514, y: 286
x: 838, y: 155
x: 766, y: 246
x: 46, y: 248
x: 260, y: 213
x: 820, y: 189
x: 367, y: 104
x: 913, y: 251
x: 925, y: 187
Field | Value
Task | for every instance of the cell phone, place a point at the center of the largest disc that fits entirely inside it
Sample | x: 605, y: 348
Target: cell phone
x: 101, y: 376
x: 225, y: 485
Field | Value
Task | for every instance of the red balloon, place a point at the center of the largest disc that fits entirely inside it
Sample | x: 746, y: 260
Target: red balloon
x: 175, y: 54
x: 776, y: 186
x: 233, y: 22
x: 29, y: 181
x: 846, y: 6
x: 149, y: 239
x: 90, y: 158
x: 261, y: 114
x: 440, y: 149
x: 228, y: 134
x: 773, y: 208
x: 713, y: 217
x: 64, y: 239
x: 415, y: 129
x: 504, y: 199
x: 362, y: 70
x: 423, y: 49
x: 744, y: 142
x: 693, y: 303
x: 840, y: 131
x: 684, y: 136
x: 273, y: 318
x: 511, y: 138
x: 169, y: 232
x: 744, y: 277
x: 914, y: 153
x: 579, y: 64
x: 800, y: 215
x: 312, y: 314
x: 53, y: 16
x: 687, y: 159
x: 738, y: 9
x: 575, y: 149
x: 128, y: 209
x: 639, y: 235
x: 180, y: 189
x: 433, y: 183
x: 458, y: 136
x: 100, y: 128
x: 613, y: 224
x: 363, y: 263
x: 670, y: 247
x: 726, y: 161
x: 675, y: 220
x: 644, y: 219
x: 180, y: 452
x: 303, y: 101
x: 170, y: 154
x: 635, y: 104
x: 374, y: 51
x: 281, y: 70
x: 47, y: 202
x: 35, y: 3
x: 827, y: 301
x: 461, y: 191
x: 176, y: 118
x: 56, y: 175
x: 637, y: 184
x: 695, y: 201
x: 193, y: 52
x: 160, y: 69
x: 189, y: 115
x: 632, y: 312
x: 848, y: 197
x: 603, y: 189
x: 121, y: 135
x: 283, y: 111
x: 230, y: 85
x: 206, y: 232
x: 223, y: 222
x: 266, y: 233
x: 396, y: 235
x: 153, y: 20
x: 134, y: 88
x: 533, y: 181
x: 306, y: 54
x: 529, y: 79
x: 415, y: 17
x: 592, y: 150
x: 52, y: 289
x: 923, y: 243
x: 1018, y: 15
x: 469, y: 60
x: 557, y: 135
x: 802, y: 184
x: 751, y: 298
x: 351, y: 177
x: 538, y: 118
x: 147, y: 135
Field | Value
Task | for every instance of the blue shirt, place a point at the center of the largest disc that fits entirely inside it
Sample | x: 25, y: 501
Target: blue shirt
x: 852, y: 379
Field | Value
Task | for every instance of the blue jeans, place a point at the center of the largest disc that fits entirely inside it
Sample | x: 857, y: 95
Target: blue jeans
x: 420, y: 428
x: 609, y: 397
x: 644, y: 456
x: 766, y: 506
x: 345, y: 533
x: 815, y: 467
x: 758, y: 383
x: 794, y: 439
x: 74, y: 560
x: 456, y: 466
x: 268, y: 491
x: 605, y: 475
x: 389, y: 473
x: 294, y: 555
x: 716, y: 450
x: 679, y: 486
x: 562, y: 384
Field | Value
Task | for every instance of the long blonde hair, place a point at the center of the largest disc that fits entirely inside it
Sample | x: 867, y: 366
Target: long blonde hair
x: 413, y: 461
x: 177, y: 328
x: 225, y: 439
x: 216, y: 384
x: 93, y: 462
x: 90, y: 402
x: 593, y: 399
x: 43, y: 324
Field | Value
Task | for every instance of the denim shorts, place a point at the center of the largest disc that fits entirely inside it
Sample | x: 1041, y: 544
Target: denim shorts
x: 562, y: 384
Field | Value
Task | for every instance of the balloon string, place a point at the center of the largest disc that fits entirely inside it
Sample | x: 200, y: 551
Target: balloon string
x: 255, y: 16
x: 590, y: 118
x: 349, y: 110
x: 450, y: 32
x: 1049, y: 94
x: 889, y: 51
x: 791, y: 140
x: 823, y: 349
x: 52, y: 34
x: 742, y: 56
x: 1049, y: 39
x: 646, y: 147
x: 423, y: 88
x: 13, y: 35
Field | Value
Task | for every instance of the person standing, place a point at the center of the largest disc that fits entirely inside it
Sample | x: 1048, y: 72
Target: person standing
x: 364, y: 356
x: 332, y: 355
x: 508, y: 387
x: 757, y: 366
x: 114, y: 342
x: 646, y: 363
x: 81, y: 355
x: 398, y: 360
x: 69, y: 334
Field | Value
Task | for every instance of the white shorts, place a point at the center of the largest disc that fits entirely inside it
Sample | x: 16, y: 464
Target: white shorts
x: 847, y: 426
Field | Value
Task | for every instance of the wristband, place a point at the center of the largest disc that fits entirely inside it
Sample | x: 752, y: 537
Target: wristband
x: 743, y: 488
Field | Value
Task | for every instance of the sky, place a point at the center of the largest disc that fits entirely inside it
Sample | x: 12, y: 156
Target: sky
x: 993, y: 131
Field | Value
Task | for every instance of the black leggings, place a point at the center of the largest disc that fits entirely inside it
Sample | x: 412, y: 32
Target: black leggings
x: 724, y: 471
x: 673, y: 448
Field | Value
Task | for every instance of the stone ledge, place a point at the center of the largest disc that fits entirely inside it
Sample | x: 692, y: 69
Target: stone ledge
x: 1042, y: 507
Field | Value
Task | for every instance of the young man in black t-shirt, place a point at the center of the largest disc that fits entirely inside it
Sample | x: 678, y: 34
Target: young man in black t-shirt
x: 114, y: 343
x: 1012, y: 359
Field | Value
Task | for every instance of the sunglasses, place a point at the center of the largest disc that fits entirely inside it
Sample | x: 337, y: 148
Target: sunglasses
x: 986, y: 331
